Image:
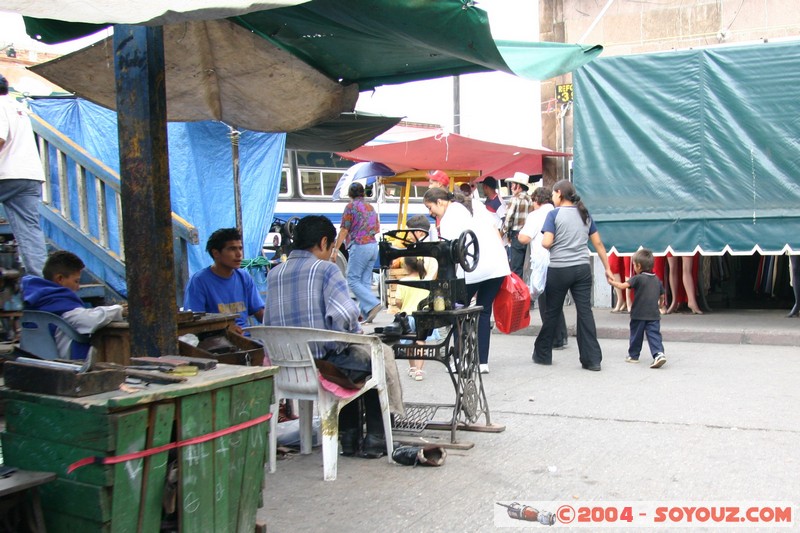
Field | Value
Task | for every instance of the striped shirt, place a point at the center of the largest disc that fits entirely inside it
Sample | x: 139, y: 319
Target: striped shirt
x: 307, y: 292
x: 518, y: 208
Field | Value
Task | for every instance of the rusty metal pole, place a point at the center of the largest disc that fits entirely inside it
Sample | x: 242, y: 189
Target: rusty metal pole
x: 144, y: 176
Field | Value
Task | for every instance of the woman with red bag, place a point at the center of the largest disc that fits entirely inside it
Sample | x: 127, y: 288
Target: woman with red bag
x: 454, y: 212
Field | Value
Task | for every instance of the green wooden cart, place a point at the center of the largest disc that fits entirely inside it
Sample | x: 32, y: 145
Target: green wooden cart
x: 219, y: 480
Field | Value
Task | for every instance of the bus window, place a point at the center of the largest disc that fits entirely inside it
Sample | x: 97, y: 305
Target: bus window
x: 283, y: 191
x: 329, y: 181
x: 318, y: 182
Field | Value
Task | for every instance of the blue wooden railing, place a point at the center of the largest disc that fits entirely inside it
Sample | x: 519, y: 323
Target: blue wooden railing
x: 81, y: 208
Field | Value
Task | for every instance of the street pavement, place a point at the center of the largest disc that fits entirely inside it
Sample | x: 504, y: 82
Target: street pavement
x: 718, y: 423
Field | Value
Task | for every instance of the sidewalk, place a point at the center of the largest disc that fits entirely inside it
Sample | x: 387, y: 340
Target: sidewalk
x: 718, y: 423
x: 730, y: 326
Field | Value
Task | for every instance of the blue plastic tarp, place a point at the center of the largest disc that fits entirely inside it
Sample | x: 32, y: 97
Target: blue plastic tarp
x: 200, y: 166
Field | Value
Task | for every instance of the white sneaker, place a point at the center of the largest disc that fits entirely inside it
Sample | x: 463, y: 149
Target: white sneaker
x: 659, y: 361
x: 484, y: 369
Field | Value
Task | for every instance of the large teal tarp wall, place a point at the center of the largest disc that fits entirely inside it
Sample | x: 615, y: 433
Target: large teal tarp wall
x: 691, y: 150
x: 200, y: 166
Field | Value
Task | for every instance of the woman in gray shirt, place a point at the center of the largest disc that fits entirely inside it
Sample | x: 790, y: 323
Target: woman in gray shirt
x: 567, y: 230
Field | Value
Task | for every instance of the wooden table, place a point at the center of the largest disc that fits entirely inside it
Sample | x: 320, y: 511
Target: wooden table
x: 219, y: 481
x: 113, y: 342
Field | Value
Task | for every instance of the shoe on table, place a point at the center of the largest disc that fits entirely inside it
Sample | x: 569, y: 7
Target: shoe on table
x: 659, y: 361
x: 484, y: 368
x: 630, y: 359
x: 374, y: 446
x: 372, y: 314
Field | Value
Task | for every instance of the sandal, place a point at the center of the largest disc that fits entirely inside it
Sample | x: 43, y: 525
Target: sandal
x: 419, y: 375
x: 412, y: 372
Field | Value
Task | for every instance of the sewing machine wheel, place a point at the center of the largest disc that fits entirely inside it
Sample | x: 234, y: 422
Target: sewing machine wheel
x: 290, y: 226
x: 466, y: 251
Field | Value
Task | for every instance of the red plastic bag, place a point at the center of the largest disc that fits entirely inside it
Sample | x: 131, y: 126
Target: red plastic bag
x: 512, y: 305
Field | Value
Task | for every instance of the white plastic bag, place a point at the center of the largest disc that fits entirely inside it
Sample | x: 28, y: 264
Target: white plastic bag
x: 540, y: 260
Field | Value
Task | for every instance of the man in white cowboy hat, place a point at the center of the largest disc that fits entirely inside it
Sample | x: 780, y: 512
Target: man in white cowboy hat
x: 518, y: 208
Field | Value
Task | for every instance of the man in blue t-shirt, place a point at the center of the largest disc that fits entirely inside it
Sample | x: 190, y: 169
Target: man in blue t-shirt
x: 224, y: 287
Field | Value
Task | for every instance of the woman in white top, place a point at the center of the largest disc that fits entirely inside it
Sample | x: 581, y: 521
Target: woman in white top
x: 455, y: 217
x: 531, y: 232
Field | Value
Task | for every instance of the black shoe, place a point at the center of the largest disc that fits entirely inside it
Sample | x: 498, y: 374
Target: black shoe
x: 419, y: 455
x: 562, y: 346
x: 593, y: 368
x: 374, y: 446
x: 540, y: 362
x: 349, y: 438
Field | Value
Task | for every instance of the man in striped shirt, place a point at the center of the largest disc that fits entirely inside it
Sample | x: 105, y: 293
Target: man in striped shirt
x: 308, y: 290
x: 518, y: 208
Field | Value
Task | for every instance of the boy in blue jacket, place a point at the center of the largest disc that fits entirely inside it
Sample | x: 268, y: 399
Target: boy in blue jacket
x: 57, y: 293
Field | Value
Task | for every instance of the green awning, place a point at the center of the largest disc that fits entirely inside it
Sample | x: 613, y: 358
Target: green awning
x: 692, y: 150
x: 376, y: 42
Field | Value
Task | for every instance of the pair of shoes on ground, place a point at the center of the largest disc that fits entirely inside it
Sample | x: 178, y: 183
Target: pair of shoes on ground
x: 428, y: 455
x: 373, y: 446
x: 372, y: 314
x: 417, y: 373
x: 659, y: 360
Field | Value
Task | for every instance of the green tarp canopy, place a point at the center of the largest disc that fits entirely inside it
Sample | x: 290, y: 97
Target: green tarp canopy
x: 375, y: 42
x: 694, y: 150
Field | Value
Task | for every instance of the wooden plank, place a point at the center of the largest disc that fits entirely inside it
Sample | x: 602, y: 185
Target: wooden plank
x: 162, y: 418
x: 127, y: 492
x: 66, y: 523
x: 221, y: 376
x: 250, y: 397
x: 77, y: 499
x: 240, y: 412
x: 62, y: 425
x: 38, y: 454
x: 196, y: 477
x: 222, y: 461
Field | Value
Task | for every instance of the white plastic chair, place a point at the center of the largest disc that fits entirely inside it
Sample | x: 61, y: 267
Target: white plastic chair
x: 297, y: 379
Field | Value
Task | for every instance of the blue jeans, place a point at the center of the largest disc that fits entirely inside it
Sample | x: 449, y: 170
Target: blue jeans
x: 359, y: 275
x: 578, y: 281
x: 485, y: 292
x: 638, y: 330
x: 21, y: 199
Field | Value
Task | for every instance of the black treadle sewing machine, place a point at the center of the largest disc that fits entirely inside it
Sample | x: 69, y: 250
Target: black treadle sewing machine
x: 447, y: 291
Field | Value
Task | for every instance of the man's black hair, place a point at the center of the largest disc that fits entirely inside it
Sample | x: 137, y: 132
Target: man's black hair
x: 61, y: 262
x: 310, y: 231
x: 220, y: 237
